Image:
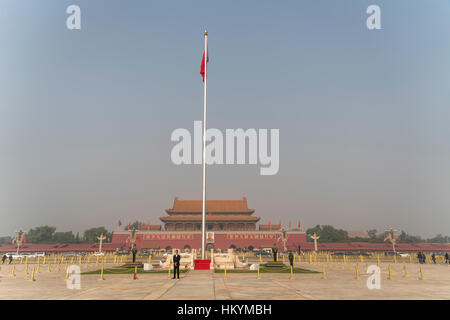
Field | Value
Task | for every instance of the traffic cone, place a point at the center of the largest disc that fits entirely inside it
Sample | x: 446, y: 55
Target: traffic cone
x: 421, y: 277
x: 390, y: 276
x: 32, y: 275
x: 101, y: 274
x: 13, y: 273
x: 324, y: 274
x: 405, y: 275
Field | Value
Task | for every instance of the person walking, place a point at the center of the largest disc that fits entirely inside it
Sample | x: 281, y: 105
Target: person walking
x: 291, y: 259
x: 433, y: 257
x: 4, y: 258
x: 176, y: 265
x: 419, y: 256
x: 446, y: 257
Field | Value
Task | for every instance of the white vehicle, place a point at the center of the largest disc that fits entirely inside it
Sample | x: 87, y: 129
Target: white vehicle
x: 403, y: 255
x: 98, y: 254
x: 15, y: 255
x: 34, y: 254
x: 72, y: 254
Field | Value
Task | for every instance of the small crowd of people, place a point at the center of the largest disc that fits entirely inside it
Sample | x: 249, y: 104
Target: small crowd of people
x: 6, y: 257
x: 422, y: 258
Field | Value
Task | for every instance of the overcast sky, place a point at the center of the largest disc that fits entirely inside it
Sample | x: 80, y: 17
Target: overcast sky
x: 86, y: 115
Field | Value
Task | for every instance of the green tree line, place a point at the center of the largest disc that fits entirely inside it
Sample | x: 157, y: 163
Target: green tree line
x: 328, y: 233
x: 48, y: 234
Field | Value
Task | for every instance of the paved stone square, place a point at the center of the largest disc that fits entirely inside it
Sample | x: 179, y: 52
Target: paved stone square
x: 205, y: 285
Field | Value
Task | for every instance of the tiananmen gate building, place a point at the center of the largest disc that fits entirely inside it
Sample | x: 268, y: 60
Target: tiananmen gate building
x: 229, y: 224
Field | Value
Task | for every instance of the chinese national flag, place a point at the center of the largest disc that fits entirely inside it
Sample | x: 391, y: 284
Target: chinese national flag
x: 299, y: 223
x: 119, y: 223
x: 24, y: 240
x: 202, y: 67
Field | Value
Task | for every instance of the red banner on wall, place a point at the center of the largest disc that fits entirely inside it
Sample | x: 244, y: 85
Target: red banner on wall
x: 252, y: 236
x: 168, y: 237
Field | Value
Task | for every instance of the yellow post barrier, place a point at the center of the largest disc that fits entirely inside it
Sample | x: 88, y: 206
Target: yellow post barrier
x: 421, y: 277
x: 135, y: 273
x: 292, y: 274
x: 38, y: 265
x: 45, y: 259
x: 260, y: 257
x: 79, y: 261
x: 48, y: 268
x: 32, y: 275
x: 96, y: 263
x: 410, y: 259
x: 170, y: 266
x: 378, y: 260
x: 395, y: 258
x: 390, y: 275
x: 26, y: 266
x: 13, y: 273
x: 324, y: 274
x: 67, y: 275
x: 357, y: 277
x: 258, y: 276
x: 225, y: 271
x: 101, y: 274
x: 405, y: 275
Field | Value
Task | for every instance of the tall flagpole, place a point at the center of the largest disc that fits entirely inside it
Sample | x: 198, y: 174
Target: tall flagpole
x: 204, y: 151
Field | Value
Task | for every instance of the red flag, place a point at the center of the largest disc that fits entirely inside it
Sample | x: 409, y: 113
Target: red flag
x: 203, y: 67
x: 24, y: 240
x: 119, y: 223
x: 148, y: 225
x: 129, y: 226
x: 396, y: 237
x: 138, y: 238
x: 269, y: 223
x: 299, y: 223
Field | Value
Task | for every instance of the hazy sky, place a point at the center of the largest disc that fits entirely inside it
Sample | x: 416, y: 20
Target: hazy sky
x: 364, y: 116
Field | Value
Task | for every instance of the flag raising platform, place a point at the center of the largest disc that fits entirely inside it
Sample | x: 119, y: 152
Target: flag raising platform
x: 202, y: 264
